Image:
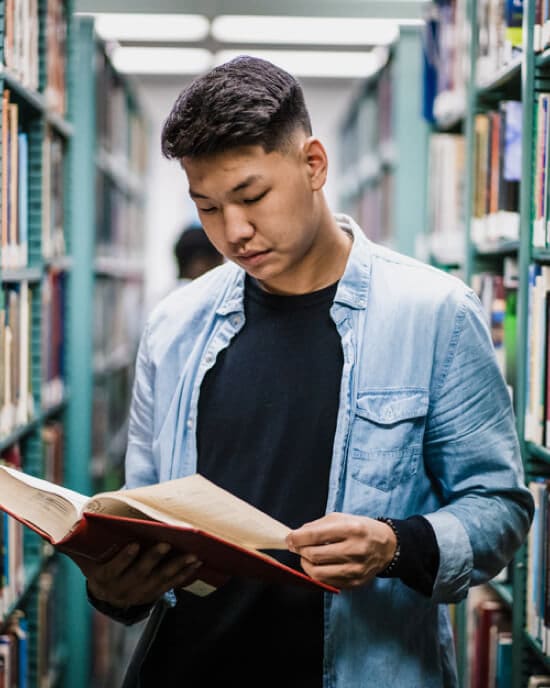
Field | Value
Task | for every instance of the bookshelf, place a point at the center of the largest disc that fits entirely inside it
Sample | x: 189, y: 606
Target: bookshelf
x: 384, y: 191
x: 108, y: 171
x: 35, y: 276
x: 504, y: 241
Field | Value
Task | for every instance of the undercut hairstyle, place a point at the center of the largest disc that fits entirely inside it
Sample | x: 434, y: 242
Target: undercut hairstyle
x: 244, y: 102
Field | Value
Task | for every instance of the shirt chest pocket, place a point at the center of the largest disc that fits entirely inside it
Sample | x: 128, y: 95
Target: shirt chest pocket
x: 387, y: 436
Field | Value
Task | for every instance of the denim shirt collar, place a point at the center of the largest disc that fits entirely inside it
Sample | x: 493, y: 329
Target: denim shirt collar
x: 353, y: 286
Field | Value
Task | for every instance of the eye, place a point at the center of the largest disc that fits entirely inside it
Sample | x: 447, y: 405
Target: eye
x: 250, y: 201
x: 207, y: 210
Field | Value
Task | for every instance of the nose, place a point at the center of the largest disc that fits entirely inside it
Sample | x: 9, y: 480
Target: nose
x: 238, y: 227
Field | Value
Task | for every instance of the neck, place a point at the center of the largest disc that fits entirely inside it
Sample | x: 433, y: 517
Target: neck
x: 326, y: 263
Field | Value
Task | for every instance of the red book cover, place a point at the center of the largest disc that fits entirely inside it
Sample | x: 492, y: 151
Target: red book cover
x: 191, y: 514
x: 488, y: 614
x: 100, y: 536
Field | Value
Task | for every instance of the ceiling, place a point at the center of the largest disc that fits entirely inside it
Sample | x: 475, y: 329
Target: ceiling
x: 347, y: 44
x: 389, y: 9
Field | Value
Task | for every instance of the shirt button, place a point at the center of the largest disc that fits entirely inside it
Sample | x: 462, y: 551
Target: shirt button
x: 189, y: 423
x: 236, y: 320
x: 208, y: 358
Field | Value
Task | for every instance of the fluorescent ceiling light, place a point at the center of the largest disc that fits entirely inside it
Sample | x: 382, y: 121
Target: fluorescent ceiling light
x: 306, y: 30
x: 133, y: 60
x: 151, y: 27
x: 316, y: 63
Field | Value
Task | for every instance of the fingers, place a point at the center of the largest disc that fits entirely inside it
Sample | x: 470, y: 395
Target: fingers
x: 130, y: 578
x: 335, y: 527
x: 342, y: 576
x: 344, y: 550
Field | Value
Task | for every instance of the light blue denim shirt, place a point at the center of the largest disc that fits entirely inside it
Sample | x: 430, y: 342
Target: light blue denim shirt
x: 425, y: 426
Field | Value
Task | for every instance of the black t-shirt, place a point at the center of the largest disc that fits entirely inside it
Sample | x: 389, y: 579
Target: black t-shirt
x: 266, y: 423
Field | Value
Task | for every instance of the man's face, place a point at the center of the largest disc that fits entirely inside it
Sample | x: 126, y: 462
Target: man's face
x: 259, y: 210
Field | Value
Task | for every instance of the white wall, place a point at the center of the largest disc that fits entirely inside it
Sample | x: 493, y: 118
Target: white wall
x: 168, y: 205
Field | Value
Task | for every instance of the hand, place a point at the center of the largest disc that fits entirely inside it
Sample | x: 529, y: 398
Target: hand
x: 343, y: 550
x: 133, y: 578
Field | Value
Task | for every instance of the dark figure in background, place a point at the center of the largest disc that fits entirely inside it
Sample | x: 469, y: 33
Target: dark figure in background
x: 195, y: 254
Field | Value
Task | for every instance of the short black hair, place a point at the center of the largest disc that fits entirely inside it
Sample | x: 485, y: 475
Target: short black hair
x: 244, y: 102
x: 191, y: 244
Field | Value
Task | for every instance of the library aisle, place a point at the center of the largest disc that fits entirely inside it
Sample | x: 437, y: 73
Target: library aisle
x: 436, y: 119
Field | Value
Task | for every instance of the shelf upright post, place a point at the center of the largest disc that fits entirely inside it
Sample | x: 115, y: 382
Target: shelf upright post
x: 469, y: 123
x: 79, y: 327
x: 411, y: 168
x: 469, y: 114
x: 527, y: 97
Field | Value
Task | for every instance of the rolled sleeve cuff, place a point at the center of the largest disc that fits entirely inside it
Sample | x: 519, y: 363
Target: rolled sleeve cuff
x: 456, y: 557
x: 126, y: 616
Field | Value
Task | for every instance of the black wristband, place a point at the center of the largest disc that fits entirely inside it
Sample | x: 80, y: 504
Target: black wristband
x: 387, y: 572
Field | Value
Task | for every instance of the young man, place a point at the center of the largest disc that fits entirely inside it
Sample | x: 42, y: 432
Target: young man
x: 348, y: 391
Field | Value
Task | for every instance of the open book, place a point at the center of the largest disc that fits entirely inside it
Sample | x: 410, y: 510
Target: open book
x: 191, y: 514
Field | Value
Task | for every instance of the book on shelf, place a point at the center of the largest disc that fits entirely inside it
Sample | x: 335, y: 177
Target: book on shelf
x: 53, y: 340
x: 21, y: 41
x: 14, y: 654
x: 56, y: 45
x: 538, y: 681
x: 16, y: 400
x: 48, y: 619
x: 492, y: 626
x: 53, y: 236
x: 12, y: 571
x: 538, y: 571
x: 446, y: 170
x: 53, y: 439
x: 540, y: 181
x: 537, y: 336
x: 497, y: 171
x: 191, y: 514
x: 503, y: 643
x: 500, y: 35
x: 14, y: 188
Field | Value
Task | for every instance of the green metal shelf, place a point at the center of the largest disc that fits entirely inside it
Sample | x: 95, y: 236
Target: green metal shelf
x: 497, y: 249
x: 538, y: 452
x: 118, y: 172
x: 119, y: 268
x: 118, y: 360
x: 537, y: 649
x: 60, y: 263
x: 55, y: 409
x: 32, y: 98
x: 504, y: 591
x: 32, y: 572
x: 540, y: 255
x: 36, y: 101
x: 543, y: 59
x: 30, y: 274
x: 21, y: 431
x: 508, y: 77
x: 18, y: 433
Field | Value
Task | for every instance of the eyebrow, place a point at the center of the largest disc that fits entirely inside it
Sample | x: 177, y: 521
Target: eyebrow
x: 240, y: 186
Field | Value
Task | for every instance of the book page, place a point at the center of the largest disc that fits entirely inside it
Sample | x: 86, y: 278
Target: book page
x: 51, y: 508
x: 196, y: 501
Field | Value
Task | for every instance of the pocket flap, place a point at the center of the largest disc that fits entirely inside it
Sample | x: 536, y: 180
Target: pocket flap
x: 386, y: 407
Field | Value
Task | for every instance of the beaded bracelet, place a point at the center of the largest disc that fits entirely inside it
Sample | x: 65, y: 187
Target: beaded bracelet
x: 393, y: 563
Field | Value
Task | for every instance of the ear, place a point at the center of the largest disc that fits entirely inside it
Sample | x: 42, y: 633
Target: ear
x: 316, y: 159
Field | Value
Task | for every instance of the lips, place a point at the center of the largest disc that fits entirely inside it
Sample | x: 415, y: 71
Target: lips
x: 251, y: 254
x: 252, y: 257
